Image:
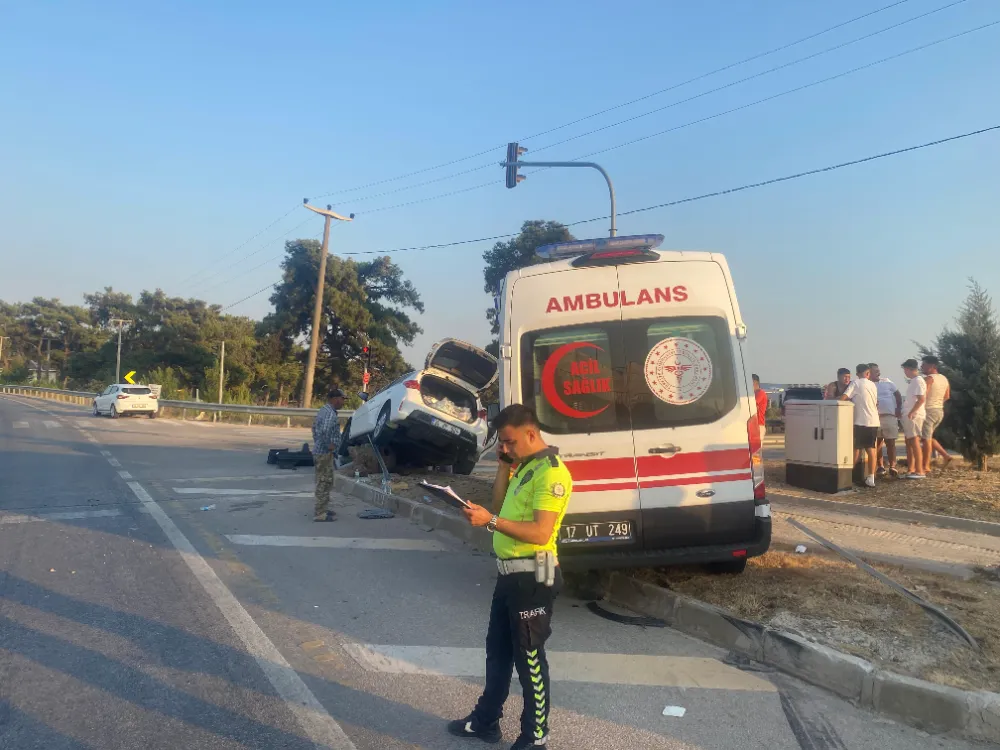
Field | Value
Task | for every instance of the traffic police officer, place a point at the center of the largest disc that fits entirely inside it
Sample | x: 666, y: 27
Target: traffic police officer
x: 532, y: 489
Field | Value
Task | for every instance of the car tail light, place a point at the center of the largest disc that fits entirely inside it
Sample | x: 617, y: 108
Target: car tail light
x: 482, y: 413
x: 413, y: 385
x: 756, y: 458
x: 152, y: 396
x: 121, y: 395
x: 739, y: 553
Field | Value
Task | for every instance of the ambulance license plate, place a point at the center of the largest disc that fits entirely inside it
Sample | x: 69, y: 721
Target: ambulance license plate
x: 601, y: 531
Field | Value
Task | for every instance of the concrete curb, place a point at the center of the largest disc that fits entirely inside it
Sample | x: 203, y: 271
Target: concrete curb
x: 420, y: 514
x: 925, y: 705
x: 789, y: 504
x: 936, y: 708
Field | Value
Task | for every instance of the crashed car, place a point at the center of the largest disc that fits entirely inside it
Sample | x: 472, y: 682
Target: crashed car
x: 431, y: 417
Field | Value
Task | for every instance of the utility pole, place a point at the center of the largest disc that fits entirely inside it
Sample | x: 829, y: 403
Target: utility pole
x: 118, y: 360
x: 222, y: 369
x: 328, y: 214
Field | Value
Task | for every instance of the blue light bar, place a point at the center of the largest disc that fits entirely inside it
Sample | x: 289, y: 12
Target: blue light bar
x: 642, y: 242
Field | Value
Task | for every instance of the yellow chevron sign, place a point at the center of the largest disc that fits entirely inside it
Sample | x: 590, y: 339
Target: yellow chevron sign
x: 128, y: 377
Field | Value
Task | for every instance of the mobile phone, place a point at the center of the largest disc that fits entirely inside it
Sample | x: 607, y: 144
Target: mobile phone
x: 505, y: 458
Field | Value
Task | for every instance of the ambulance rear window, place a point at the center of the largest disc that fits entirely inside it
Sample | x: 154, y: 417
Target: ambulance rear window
x: 638, y: 374
x: 567, y: 376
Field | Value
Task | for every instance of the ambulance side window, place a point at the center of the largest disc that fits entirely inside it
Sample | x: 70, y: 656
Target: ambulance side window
x: 569, y: 376
x: 680, y: 371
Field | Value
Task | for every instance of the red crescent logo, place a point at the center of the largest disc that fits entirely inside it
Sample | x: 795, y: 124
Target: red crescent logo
x: 549, y: 381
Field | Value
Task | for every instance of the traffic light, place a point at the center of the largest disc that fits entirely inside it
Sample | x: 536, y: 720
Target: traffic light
x: 513, y: 154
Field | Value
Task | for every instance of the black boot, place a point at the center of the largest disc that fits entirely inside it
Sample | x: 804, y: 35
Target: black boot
x: 527, y: 741
x: 472, y: 728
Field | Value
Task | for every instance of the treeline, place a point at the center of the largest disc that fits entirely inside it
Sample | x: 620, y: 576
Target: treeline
x: 176, y: 342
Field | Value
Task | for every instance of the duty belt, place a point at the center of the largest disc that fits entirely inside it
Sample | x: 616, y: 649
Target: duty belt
x: 516, y: 565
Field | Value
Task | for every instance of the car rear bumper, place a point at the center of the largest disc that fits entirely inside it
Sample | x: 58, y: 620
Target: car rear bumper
x: 723, y: 548
x: 419, y: 430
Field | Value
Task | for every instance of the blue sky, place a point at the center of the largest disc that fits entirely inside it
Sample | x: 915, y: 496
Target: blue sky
x: 141, y: 144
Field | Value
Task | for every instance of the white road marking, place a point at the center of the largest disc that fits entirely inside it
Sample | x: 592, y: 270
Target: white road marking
x: 114, y: 462
x: 20, y: 425
x: 317, y: 724
x: 337, y: 542
x: 570, y: 666
x: 124, y: 475
x: 106, y: 454
x: 223, y: 491
x: 69, y: 516
x: 49, y: 423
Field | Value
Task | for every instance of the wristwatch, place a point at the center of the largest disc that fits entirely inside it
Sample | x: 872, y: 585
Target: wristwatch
x: 492, y: 525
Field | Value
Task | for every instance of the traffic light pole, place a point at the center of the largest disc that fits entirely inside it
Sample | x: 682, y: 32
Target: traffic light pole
x: 589, y: 164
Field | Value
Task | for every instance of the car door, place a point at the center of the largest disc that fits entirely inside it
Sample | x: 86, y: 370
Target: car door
x: 689, y: 414
x: 102, y: 399
x: 567, y: 329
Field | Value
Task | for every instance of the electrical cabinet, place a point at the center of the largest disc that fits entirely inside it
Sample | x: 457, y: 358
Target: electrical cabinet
x: 819, y: 444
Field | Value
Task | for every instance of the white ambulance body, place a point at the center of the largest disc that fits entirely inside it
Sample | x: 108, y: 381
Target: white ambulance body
x: 633, y: 359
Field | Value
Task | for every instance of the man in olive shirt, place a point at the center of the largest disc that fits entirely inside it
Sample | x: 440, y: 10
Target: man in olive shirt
x: 530, y: 502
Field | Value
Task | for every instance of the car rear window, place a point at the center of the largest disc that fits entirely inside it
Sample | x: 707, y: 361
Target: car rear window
x: 137, y: 391
x: 637, y: 374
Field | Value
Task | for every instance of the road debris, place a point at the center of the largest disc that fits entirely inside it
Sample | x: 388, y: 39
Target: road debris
x: 675, y: 711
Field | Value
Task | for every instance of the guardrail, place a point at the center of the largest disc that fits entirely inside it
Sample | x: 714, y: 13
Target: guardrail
x: 85, y: 398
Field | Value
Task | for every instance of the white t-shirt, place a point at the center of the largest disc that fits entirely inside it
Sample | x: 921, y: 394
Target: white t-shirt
x: 916, y: 388
x: 887, y: 391
x: 935, y: 393
x: 864, y: 395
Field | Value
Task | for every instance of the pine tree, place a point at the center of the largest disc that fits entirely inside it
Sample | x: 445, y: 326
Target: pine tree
x: 970, y: 358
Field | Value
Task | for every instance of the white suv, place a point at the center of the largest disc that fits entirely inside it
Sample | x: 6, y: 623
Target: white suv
x: 124, y: 399
x: 432, y: 417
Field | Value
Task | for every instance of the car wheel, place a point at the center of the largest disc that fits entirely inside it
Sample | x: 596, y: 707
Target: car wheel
x: 114, y: 412
x: 96, y: 412
x: 153, y: 415
x: 729, y: 567
x: 465, y: 464
x: 381, y: 432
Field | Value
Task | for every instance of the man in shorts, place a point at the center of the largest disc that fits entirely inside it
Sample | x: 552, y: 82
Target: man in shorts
x: 914, y: 413
x: 890, y: 411
x: 863, y: 393
x: 938, y: 392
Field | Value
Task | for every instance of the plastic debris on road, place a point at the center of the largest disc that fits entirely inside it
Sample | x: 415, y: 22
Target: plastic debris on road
x: 675, y: 711
x: 207, y: 507
x: 801, y: 549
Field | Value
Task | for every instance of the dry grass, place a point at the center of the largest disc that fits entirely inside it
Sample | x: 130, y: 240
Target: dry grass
x: 843, y: 607
x: 957, y: 490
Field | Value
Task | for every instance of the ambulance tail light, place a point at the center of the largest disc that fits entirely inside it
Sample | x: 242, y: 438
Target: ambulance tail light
x: 756, y: 459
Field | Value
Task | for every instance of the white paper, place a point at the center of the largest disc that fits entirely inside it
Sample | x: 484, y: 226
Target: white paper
x: 447, y: 490
x: 676, y: 711
x: 801, y: 549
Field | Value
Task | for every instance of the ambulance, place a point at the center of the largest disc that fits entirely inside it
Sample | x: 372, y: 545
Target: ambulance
x: 634, y: 360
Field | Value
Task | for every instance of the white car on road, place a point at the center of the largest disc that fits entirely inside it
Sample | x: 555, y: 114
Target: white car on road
x: 431, y: 417
x: 126, y: 399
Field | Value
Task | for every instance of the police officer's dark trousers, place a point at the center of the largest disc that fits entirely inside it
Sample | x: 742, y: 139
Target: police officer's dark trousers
x: 520, y: 623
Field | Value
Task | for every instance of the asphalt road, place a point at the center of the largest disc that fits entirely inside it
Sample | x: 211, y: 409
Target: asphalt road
x: 131, y: 618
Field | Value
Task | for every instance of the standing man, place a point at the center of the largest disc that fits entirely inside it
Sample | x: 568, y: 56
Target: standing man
x: 914, y: 413
x: 529, y: 504
x: 938, y: 391
x: 863, y: 393
x: 890, y: 411
x: 836, y: 389
x: 326, y: 443
x: 761, y: 397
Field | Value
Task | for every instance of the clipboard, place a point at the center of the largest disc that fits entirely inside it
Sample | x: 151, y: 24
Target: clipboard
x: 447, y: 494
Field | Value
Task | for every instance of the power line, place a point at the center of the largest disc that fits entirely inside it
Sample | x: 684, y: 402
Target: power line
x: 763, y: 100
x: 690, y: 199
x: 247, y: 242
x: 672, y: 87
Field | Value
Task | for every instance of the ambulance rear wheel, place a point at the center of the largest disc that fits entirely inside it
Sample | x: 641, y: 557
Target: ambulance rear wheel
x: 728, y: 567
